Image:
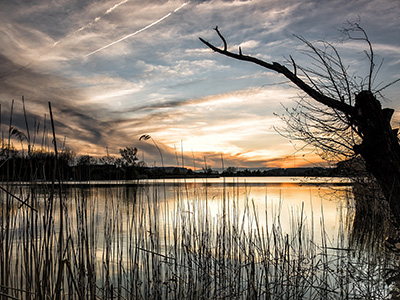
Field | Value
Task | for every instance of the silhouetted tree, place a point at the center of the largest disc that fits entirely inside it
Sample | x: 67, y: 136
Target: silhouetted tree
x: 230, y: 171
x: 128, y: 155
x: 84, y: 160
x: 340, y: 113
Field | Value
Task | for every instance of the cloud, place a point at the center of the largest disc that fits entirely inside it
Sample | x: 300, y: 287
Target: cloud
x: 96, y: 19
x: 198, y: 122
x: 164, y: 81
x: 249, y: 44
x: 73, y: 118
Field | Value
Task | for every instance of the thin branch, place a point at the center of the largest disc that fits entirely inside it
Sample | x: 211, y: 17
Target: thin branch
x: 222, y: 38
x: 321, y: 55
x: 294, y: 66
x: 389, y: 84
x: 354, y: 27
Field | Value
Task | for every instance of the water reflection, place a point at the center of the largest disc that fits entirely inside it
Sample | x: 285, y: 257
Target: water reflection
x: 272, y: 199
x: 165, y: 238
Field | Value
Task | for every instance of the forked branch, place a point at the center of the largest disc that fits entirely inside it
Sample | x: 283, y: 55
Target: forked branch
x: 274, y: 66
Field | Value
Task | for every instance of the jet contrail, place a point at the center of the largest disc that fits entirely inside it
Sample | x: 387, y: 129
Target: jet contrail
x: 94, y: 20
x: 115, y: 6
x: 138, y: 31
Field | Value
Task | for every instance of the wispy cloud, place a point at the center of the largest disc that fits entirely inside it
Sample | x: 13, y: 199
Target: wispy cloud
x: 96, y: 19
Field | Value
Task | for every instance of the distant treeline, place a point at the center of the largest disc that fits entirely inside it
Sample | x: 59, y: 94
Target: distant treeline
x: 44, y: 166
x: 311, y: 171
x: 67, y: 166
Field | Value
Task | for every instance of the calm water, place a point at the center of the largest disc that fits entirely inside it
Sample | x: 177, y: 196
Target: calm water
x: 259, y: 201
x: 281, y: 201
x: 273, y: 199
x: 152, y: 237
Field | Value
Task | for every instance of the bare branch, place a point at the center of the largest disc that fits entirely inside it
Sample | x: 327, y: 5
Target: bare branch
x: 348, y: 33
x: 389, y: 84
x: 294, y: 66
x: 316, y: 95
x: 222, y: 38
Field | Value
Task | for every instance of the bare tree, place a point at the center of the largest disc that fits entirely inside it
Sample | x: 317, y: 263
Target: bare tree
x: 340, y: 113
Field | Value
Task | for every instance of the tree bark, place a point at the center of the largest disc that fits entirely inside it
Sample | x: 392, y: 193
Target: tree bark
x: 380, y: 147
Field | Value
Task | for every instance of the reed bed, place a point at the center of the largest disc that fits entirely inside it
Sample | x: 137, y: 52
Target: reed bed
x: 133, y: 243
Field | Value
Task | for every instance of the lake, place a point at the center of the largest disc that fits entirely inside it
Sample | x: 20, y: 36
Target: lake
x: 199, y: 238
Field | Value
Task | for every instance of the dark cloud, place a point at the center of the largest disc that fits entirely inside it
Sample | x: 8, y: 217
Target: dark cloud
x: 166, y: 104
x: 73, y: 119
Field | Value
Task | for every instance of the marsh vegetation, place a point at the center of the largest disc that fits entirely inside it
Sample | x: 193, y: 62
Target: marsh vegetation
x: 186, y: 239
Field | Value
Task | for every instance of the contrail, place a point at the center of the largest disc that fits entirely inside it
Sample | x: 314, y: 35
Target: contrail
x: 138, y: 31
x: 94, y: 20
x: 115, y: 6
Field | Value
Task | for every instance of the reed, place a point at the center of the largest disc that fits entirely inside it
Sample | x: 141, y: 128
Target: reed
x: 126, y: 243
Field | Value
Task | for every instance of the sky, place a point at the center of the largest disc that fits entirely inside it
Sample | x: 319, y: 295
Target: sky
x: 114, y: 70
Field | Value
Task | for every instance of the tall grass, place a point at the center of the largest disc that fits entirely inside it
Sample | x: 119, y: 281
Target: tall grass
x: 126, y: 243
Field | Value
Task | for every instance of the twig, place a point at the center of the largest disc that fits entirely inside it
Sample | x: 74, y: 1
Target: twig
x: 223, y: 39
x: 155, y: 253
x: 15, y: 197
x: 7, y: 296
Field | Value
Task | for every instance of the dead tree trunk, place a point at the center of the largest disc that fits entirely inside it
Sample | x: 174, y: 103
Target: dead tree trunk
x: 380, y: 146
